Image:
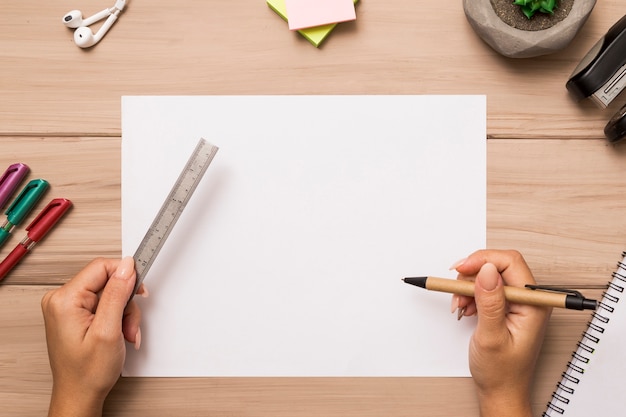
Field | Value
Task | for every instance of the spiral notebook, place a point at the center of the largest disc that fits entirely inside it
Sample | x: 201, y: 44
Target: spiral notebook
x: 592, y: 381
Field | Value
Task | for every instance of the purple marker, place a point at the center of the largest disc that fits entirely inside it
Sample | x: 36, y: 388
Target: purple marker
x: 10, y: 180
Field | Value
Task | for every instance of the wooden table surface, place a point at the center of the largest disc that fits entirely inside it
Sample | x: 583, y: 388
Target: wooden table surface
x: 556, y: 188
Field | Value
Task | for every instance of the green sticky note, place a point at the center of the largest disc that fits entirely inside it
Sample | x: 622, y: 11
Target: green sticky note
x: 315, y: 35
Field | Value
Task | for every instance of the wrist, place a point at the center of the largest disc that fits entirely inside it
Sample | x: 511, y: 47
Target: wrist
x: 505, y: 402
x: 68, y: 403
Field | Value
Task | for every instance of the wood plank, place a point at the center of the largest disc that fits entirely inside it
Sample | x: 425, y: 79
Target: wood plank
x: 538, y: 203
x: 25, y: 379
x: 85, y: 170
x: 50, y: 87
x: 560, y: 202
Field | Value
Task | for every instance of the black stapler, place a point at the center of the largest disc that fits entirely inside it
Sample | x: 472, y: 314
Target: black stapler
x: 601, y: 75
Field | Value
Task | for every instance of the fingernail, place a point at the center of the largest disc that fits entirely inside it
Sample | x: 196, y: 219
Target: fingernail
x: 125, y: 268
x: 455, y: 303
x: 457, y: 264
x: 488, y: 277
x: 138, y: 339
x: 460, y: 313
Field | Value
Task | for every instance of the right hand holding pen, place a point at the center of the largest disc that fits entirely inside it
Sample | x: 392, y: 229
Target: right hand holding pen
x: 508, y: 337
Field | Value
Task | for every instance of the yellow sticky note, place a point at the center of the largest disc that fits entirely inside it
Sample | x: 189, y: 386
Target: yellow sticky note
x: 315, y: 35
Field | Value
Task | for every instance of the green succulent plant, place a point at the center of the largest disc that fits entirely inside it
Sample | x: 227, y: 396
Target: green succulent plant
x: 530, y: 7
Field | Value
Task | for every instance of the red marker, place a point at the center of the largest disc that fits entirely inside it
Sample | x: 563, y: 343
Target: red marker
x: 38, y: 228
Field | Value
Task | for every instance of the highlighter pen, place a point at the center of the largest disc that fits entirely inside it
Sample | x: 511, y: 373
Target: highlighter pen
x: 530, y: 295
x: 21, y: 206
x: 36, y: 230
x: 10, y: 180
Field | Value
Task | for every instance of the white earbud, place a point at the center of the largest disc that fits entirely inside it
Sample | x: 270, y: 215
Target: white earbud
x: 74, y: 19
x: 83, y: 36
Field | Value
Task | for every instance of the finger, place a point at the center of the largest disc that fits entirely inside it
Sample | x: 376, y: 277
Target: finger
x: 491, y: 304
x: 115, y: 296
x: 94, y: 276
x: 509, y: 263
x: 467, y: 305
x: 463, y: 306
x: 131, y: 322
x: 143, y: 291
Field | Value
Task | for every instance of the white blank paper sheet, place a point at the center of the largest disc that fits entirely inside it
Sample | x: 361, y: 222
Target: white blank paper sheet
x: 289, y: 257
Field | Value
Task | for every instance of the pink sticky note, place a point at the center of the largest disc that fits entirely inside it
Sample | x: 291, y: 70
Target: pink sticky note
x: 310, y: 13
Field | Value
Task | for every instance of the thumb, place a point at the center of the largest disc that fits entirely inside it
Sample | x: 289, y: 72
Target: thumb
x: 115, y: 296
x: 491, y: 305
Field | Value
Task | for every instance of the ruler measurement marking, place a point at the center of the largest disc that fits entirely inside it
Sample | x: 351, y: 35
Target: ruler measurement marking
x: 172, y: 208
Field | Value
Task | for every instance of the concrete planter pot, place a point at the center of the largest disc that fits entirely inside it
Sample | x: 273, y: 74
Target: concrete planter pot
x: 516, y: 43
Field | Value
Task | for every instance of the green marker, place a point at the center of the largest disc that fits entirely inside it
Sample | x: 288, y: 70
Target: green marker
x: 21, y: 206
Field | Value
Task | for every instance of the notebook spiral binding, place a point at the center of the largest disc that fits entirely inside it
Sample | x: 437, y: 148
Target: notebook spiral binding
x: 588, y: 342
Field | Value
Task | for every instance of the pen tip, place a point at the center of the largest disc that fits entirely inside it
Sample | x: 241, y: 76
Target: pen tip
x: 417, y: 281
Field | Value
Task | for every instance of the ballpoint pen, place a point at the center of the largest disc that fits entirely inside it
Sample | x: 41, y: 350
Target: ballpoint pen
x: 36, y: 230
x: 531, y: 294
x: 21, y: 206
x: 10, y: 180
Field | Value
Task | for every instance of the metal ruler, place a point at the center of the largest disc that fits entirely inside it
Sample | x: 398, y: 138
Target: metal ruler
x: 172, y: 208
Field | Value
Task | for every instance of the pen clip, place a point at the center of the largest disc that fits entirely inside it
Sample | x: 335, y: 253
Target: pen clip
x: 574, y: 293
x: 10, y: 180
x: 47, y: 218
x: 26, y: 200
